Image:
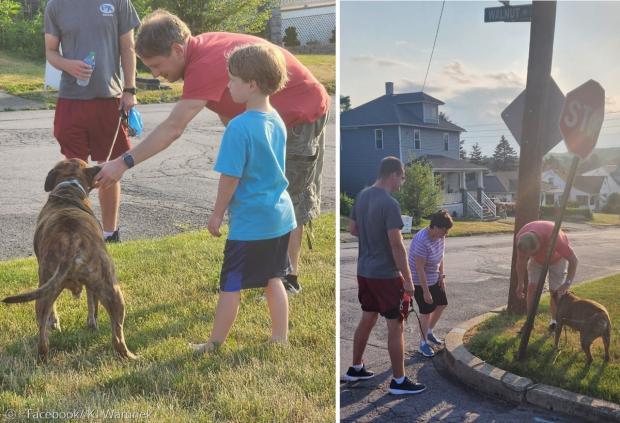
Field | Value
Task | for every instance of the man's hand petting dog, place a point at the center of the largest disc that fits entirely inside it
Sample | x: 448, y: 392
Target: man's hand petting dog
x: 110, y: 173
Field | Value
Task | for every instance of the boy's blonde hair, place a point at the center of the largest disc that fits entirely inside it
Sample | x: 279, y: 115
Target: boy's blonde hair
x: 158, y: 31
x: 261, y: 63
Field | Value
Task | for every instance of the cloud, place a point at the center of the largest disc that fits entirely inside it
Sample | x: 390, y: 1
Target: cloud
x: 379, y: 61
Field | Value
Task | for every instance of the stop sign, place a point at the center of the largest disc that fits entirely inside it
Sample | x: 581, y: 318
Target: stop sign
x: 582, y: 117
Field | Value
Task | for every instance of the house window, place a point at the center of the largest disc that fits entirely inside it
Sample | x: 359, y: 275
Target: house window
x: 582, y: 200
x: 549, y: 199
x: 445, y: 141
x: 379, y: 139
x: 416, y: 140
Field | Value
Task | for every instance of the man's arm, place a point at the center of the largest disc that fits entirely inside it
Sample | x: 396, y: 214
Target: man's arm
x: 164, y: 135
x: 225, y: 191
x: 521, y: 272
x: 128, y: 62
x: 353, y: 228
x: 76, y: 68
x: 572, y: 270
x: 399, y: 252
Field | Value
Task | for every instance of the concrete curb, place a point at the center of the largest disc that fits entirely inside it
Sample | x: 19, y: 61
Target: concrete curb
x: 499, y: 383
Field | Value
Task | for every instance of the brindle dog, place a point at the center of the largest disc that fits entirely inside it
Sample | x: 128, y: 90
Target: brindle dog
x: 588, y: 317
x: 69, y: 246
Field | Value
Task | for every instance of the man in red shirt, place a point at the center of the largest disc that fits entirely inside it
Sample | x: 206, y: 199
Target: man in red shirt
x: 533, y: 241
x: 166, y: 46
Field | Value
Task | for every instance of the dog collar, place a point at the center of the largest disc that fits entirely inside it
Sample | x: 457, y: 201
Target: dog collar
x: 73, y: 182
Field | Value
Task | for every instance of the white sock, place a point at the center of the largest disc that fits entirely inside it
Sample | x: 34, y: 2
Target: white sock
x: 429, y: 331
x: 399, y: 380
x: 422, y: 343
x: 358, y: 367
x: 552, y: 322
x: 107, y: 234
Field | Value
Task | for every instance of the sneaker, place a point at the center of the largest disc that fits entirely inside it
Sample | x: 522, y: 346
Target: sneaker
x: 355, y: 375
x: 426, y: 350
x: 115, y: 237
x: 407, y: 387
x: 552, y: 326
x: 291, y: 284
x: 436, y: 341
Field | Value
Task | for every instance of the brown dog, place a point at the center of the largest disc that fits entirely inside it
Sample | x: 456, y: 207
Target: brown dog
x: 69, y: 246
x: 588, y: 317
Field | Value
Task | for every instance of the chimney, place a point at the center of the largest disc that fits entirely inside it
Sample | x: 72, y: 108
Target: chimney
x: 389, y: 88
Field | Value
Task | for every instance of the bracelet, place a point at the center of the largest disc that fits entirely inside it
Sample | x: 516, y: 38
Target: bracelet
x: 130, y: 90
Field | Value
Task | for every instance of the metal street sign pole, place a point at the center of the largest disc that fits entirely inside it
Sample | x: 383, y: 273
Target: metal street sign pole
x: 534, y: 129
x: 529, y: 324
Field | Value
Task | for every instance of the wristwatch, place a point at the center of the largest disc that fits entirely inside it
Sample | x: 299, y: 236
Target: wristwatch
x: 130, y: 90
x: 128, y: 159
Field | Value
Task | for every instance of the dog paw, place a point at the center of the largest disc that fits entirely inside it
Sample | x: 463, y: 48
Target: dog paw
x: 128, y: 355
x: 92, y: 324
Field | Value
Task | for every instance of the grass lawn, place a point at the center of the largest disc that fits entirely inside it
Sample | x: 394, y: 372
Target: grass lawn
x: 496, y: 341
x: 460, y: 228
x: 605, y: 219
x: 170, y: 287
x: 24, y: 78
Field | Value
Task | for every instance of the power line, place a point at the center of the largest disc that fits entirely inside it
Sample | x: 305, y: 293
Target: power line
x: 434, y: 42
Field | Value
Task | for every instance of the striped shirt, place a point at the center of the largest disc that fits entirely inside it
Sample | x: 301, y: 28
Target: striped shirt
x: 431, y: 250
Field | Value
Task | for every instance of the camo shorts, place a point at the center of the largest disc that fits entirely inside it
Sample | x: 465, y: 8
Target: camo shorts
x: 305, y: 148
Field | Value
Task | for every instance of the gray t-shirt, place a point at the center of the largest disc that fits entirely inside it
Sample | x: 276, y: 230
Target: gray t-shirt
x: 376, y: 212
x: 91, y: 25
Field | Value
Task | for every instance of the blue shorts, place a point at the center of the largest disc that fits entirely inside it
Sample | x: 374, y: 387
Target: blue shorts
x: 250, y: 264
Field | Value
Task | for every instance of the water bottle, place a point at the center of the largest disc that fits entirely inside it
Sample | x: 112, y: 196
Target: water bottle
x: 89, y: 60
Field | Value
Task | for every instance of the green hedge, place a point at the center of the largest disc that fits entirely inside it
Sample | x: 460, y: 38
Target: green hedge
x: 549, y: 212
x: 346, y: 205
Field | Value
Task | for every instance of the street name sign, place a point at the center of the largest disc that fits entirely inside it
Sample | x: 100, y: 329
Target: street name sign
x: 520, y: 13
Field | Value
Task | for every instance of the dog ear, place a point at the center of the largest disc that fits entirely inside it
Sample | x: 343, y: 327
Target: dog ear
x: 91, y: 172
x: 50, y: 181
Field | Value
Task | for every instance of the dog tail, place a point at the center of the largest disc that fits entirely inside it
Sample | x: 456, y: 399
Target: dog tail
x: 45, y: 289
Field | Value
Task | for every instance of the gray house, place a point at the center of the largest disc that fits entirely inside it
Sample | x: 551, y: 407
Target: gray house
x: 408, y: 126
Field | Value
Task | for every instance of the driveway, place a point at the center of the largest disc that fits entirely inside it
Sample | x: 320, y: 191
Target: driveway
x: 169, y: 193
x: 477, y: 271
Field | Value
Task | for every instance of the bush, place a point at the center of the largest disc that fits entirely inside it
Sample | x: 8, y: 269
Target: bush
x: 20, y: 34
x: 549, y: 213
x: 346, y: 204
x: 290, y: 37
x: 613, y: 203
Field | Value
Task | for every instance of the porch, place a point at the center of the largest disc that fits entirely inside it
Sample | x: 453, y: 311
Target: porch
x: 462, y: 185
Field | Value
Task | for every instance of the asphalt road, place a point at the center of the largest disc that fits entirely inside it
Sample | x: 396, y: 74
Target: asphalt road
x: 169, y: 193
x: 477, y: 271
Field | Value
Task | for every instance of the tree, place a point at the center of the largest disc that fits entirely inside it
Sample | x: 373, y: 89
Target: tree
x: 476, y: 154
x: 245, y: 16
x: 504, y: 157
x: 443, y: 116
x: 421, y: 194
x: 290, y: 37
x: 462, y: 151
x: 345, y: 103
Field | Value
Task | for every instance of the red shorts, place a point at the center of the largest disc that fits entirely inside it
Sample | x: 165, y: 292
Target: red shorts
x: 86, y: 127
x: 384, y: 296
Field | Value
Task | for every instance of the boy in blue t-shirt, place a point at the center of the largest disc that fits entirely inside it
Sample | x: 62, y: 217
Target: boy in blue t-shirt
x: 252, y: 187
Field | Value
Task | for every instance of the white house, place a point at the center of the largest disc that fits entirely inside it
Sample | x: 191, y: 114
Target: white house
x: 589, y: 190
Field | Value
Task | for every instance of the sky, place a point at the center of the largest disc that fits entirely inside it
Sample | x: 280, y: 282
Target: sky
x: 477, y: 68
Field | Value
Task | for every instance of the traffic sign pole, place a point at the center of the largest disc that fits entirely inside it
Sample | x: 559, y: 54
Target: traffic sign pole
x: 534, y: 128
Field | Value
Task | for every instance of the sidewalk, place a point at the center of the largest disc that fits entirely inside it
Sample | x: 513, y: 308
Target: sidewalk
x: 10, y: 102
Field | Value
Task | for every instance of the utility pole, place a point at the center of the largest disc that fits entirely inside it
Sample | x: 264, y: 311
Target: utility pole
x: 540, y: 58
